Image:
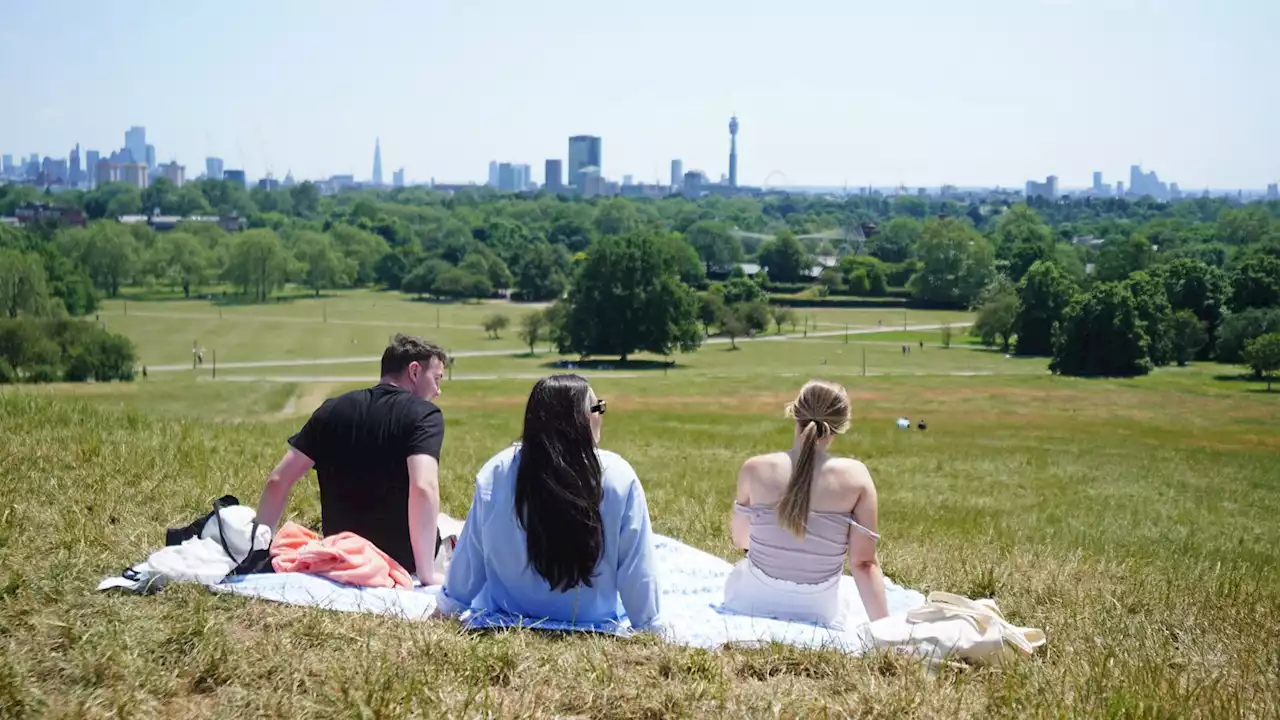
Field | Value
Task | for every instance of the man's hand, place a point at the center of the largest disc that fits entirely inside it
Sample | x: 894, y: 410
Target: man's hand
x: 424, y: 511
x: 275, y: 494
x: 431, y: 578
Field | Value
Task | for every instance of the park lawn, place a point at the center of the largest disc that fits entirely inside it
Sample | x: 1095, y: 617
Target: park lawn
x: 1134, y: 521
x: 357, y: 324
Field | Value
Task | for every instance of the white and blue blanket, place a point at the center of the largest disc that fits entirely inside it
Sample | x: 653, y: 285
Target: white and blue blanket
x: 692, y: 583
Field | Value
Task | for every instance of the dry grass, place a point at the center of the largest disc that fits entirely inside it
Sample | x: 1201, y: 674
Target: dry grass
x: 1134, y: 521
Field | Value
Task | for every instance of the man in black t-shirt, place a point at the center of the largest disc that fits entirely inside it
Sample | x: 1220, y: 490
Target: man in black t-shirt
x: 376, y: 452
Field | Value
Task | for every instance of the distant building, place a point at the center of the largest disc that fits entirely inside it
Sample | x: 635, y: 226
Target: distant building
x: 151, y: 156
x: 677, y: 173
x: 213, y: 168
x: 105, y: 172
x: 1143, y: 184
x: 626, y: 180
x: 40, y: 212
x: 234, y: 176
x: 1119, y: 188
x: 377, y: 162
x: 397, y: 178
x: 693, y: 182
x: 6, y: 165
x: 493, y: 173
x: 584, y: 152
x: 1099, y: 188
x: 135, y: 141
x: 269, y: 184
x: 74, y: 173
x: 54, y: 172
x: 553, y: 175
x: 1273, y: 191
x: 650, y: 192
x: 524, y: 177
x: 1047, y: 189
x: 174, y: 173
x: 135, y: 175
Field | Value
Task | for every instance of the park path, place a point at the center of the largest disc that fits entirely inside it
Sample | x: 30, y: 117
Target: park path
x: 251, y: 364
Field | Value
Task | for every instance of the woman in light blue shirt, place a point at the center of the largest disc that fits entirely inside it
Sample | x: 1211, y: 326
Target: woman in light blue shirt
x: 558, y: 529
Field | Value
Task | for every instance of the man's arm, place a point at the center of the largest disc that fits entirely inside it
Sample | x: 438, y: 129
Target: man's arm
x: 275, y: 495
x: 424, y: 511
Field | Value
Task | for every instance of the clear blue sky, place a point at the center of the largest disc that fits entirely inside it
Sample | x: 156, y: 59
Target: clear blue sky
x: 828, y: 91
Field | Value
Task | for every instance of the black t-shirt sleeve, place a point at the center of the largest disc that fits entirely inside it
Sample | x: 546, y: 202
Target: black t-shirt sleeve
x: 427, y: 434
x: 309, y: 440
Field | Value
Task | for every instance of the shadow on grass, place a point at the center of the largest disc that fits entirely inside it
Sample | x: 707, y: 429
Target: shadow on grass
x: 630, y: 365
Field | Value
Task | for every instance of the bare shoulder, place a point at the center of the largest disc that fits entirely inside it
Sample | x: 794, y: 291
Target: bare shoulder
x: 851, y: 471
x: 762, y: 464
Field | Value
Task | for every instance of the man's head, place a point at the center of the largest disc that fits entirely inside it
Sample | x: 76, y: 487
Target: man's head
x: 415, y: 365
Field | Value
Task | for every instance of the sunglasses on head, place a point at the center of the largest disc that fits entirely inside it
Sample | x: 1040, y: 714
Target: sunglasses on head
x: 599, y: 407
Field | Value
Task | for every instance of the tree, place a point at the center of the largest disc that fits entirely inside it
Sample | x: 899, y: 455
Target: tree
x: 626, y: 298
x: 181, y: 259
x: 257, y: 263
x: 1263, y: 355
x: 1189, y: 336
x: 23, y: 286
x: 742, y: 289
x: 1199, y: 288
x: 572, y: 233
x: 361, y: 247
x: 532, y: 327
x: 996, y: 320
x: 456, y: 283
x: 956, y: 263
x: 1155, y: 314
x: 1239, y: 328
x: 897, y: 241
x: 107, y: 250
x: 323, y: 266
x: 715, y: 244
x: 785, y: 258
x: 1245, y: 226
x: 946, y: 335
x: 1102, y: 335
x: 1023, y: 239
x: 782, y: 315
x: 1120, y: 257
x: 306, y: 199
x: 423, y: 278
x: 710, y: 307
x: 682, y: 258
x: 616, y: 216
x: 1044, y: 294
x: 495, y: 324
x: 743, y: 319
x: 541, y: 272
x: 1256, y: 283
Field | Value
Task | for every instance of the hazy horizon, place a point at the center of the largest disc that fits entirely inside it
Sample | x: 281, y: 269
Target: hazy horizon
x: 828, y: 93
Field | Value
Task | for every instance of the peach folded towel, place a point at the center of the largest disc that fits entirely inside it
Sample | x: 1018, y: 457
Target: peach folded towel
x: 346, y: 558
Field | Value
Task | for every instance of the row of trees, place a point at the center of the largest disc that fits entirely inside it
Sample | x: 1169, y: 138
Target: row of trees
x: 62, y: 349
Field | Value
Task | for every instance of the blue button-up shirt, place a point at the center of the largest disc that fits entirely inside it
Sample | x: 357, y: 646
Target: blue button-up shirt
x: 490, y: 569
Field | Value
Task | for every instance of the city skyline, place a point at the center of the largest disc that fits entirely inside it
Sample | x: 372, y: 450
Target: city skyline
x: 1174, y: 85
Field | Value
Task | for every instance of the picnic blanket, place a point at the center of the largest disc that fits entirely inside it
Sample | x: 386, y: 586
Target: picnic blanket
x: 692, y: 583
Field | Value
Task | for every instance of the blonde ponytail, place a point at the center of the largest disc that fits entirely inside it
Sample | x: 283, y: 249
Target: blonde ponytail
x: 821, y: 410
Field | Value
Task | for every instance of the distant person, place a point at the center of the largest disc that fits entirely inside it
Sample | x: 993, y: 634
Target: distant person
x: 144, y: 372
x: 921, y: 344
x: 799, y: 514
x: 922, y: 426
x: 558, y: 528
x: 376, y: 453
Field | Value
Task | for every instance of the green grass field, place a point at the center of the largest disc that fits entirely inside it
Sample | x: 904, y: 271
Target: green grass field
x: 1134, y: 521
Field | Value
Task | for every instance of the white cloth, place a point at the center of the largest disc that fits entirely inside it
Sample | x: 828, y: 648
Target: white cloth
x: 954, y: 626
x: 203, y: 559
x: 749, y: 591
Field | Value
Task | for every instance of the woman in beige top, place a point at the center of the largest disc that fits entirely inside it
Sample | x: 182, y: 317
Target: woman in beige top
x: 799, y: 514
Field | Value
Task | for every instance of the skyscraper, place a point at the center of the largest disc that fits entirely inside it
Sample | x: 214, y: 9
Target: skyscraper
x: 506, y: 177
x: 151, y: 156
x: 135, y: 141
x: 493, y: 173
x: 584, y: 152
x: 74, y: 172
x: 397, y: 178
x: 1273, y: 190
x: 677, y: 173
x: 733, y: 151
x: 91, y: 167
x: 234, y: 176
x: 377, y: 162
x: 553, y: 178
x: 213, y: 168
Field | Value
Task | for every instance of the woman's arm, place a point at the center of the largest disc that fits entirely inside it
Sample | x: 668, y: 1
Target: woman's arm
x: 740, y: 522
x: 466, y: 577
x: 637, y: 576
x: 864, y: 565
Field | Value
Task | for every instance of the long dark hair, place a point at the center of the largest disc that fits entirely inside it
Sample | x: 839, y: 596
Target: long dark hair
x: 558, y: 483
